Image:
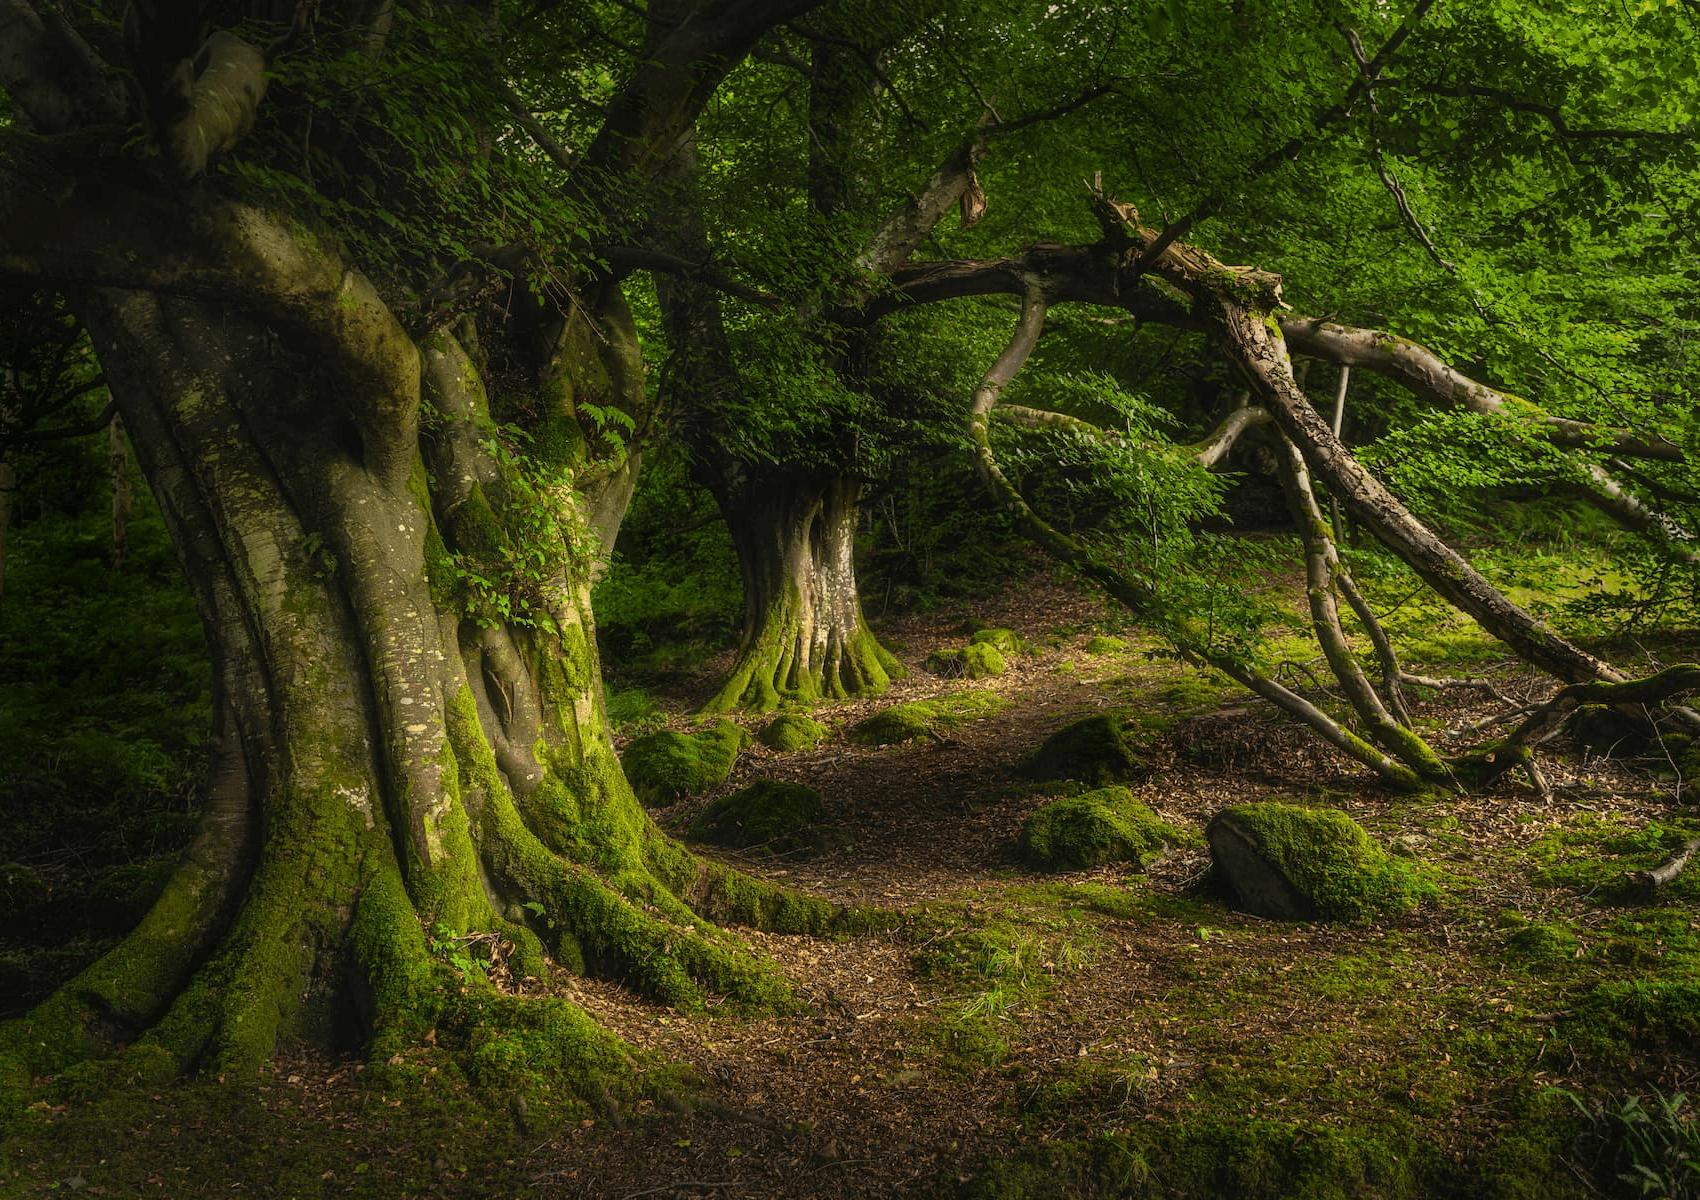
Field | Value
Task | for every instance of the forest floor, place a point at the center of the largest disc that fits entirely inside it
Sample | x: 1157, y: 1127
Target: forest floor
x: 1103, y: 1032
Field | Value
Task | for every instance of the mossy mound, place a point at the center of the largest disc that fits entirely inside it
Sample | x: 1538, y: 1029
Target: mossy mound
x: 1006, y: 641
x: 663, y: 767
x: 977, y: 660
x: 1092, y: 750
x: 1293, y: 863
x: 1604, y: 732
x: 1094, y: 828
x: 926, y: 718
x: 768, y: 813
x: 793, y: 731
x: 1106, y: 645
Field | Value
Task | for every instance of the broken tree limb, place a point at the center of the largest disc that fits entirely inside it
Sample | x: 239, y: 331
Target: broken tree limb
x: 1674, y: 865
x: 1427, y: 375
x: 1322, y: 570
x: 1135, y: 592
x: 1541, y: 724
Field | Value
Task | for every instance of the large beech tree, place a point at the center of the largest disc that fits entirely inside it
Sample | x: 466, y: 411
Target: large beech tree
x: 355, y: 277
x: 375, y: 396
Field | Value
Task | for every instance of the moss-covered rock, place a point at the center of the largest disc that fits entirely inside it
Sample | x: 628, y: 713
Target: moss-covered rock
x: 1092, y: 750
x: 926, y: 718
x: 1106, y: 645
x: 977, y: 660
x: 793, y: 731
x: 768, y: 813
x: 1006, y: 641
x: 1094, y: 828
x: 1300, y: 864
x: 663, y: 767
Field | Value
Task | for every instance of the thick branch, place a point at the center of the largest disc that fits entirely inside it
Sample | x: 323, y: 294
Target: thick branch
x: 1422, y: 371
x: 1215, y: 445
x: 230, y: 81
x: 51, y: 74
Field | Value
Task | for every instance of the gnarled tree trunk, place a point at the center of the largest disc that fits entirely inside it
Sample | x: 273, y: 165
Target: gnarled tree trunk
x: 803, y: 636
x: 412, y: 739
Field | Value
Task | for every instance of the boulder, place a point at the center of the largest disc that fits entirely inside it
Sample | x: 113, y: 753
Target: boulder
x: 793, y: 731
x: 977, y: 660
x: 664, y: 767
x: 768, y: 813
x: 1302, y: 864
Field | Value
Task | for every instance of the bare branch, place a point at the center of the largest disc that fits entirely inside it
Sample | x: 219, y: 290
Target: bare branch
x: 641, y: 258
x: 1431, y: 378
x: 1215, y: 445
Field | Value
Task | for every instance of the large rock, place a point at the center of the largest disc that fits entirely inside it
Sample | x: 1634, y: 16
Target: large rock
x: 1303, y: 864
x: 1092, y: 751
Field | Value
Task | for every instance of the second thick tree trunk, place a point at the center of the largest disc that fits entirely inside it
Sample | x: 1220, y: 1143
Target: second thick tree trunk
x: 804, y: 637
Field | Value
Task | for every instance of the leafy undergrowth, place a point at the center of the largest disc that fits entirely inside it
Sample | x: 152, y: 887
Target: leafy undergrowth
x: 1109, y: 1032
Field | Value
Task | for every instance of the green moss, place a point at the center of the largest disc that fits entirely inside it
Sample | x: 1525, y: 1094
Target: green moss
x: 768, y: 813
x: 926, y: 718
x: 978, y: 660
x: 663, y: 767
x: 1105, y: 645
x: 1328, y: 859
x: 1004, y: 640
x: 1092, y: 750
x: 1095, y: 828
x: 790, y: 732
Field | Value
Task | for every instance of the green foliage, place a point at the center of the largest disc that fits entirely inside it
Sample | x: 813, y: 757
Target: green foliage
x: 769, y: 814
x: 662, y: 767
x: 674, y: 577
x: 105, y: 706
x: 1643, y: 1149
x: 926, y: 718
x: 1103, y: 826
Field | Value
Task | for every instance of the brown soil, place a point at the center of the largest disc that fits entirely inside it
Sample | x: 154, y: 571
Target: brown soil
x: 856, y: 1098
x: 863, y: 1096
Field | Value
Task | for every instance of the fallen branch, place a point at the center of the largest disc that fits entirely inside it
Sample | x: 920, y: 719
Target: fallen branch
x: 1667, y: 870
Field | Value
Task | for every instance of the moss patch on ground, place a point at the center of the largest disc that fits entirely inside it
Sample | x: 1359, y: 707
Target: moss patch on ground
x: 926, y: 718
x: 664, y: 767
x: 769, y: 813
x: 1092, y: 750
x: 790, y: 732
x: 1098, y: 827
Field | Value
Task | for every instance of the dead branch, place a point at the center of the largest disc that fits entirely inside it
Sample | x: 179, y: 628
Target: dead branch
x: 1666, y: 871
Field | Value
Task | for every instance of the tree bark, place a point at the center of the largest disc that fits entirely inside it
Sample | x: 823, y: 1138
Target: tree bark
x: 804, y: 637
x: 410, y: 722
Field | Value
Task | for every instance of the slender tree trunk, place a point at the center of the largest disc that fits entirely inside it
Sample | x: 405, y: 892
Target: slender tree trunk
x: 804, y: 636
x: 118, y: 459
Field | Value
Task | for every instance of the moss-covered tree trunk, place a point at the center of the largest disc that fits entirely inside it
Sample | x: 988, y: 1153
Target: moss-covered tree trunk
x: 412, y: 743
x: 804, y: 636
